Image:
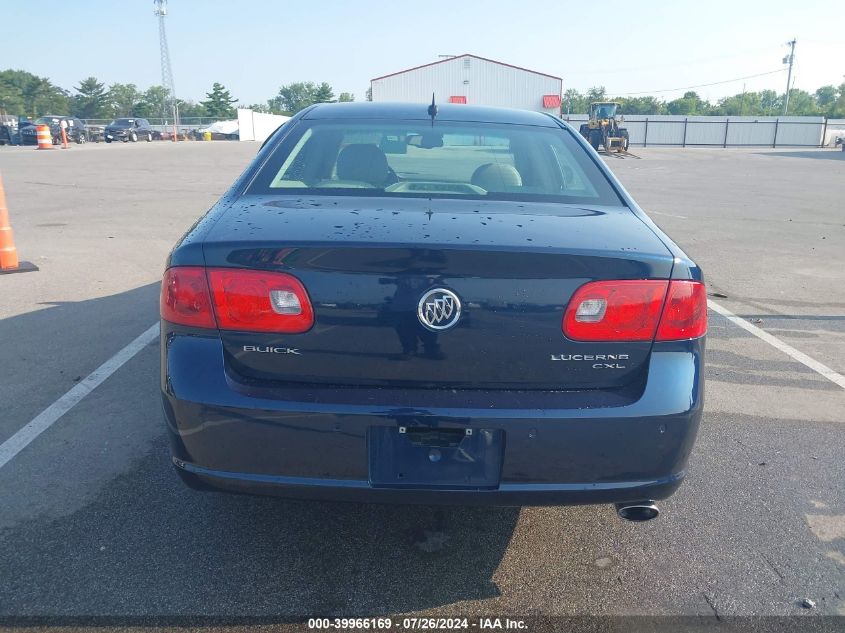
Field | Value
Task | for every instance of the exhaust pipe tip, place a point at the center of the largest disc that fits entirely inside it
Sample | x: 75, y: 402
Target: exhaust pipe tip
x: 637, y: 512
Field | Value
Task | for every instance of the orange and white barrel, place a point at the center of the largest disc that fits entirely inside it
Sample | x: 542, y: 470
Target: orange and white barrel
x: 45, y: 138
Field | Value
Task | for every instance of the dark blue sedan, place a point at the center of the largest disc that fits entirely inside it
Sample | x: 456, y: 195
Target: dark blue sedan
x: 403, y: 303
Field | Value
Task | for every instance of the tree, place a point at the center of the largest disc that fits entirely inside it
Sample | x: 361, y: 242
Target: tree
x: 189, y: 109
x: 293, y: 97
x: 838, y: 108
x: 689, y: 104
x: 641, y: 105
x: 344, y: 97
x: 770, y: 103
x: 122, y: 99
x: 825, y: 97
x: 596, y: 93
x: 90, y: 100
x: 323, y: 93
x: 743, y: 104
x: 274, y: 106
x: 802, y: 103
x: 218, y: 103
x: 368, y: 95
x: 151, y: 103
x: 23, y: 93
x: 574, y: 102
x: 11, y: 95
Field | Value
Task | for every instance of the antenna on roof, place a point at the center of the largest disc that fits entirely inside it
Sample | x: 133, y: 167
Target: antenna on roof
x: 432, y: 110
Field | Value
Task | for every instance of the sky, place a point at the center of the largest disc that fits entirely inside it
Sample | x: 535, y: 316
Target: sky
x: 253, y: 47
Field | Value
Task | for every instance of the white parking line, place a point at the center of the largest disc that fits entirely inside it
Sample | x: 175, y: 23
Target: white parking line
x: 48, y: 416
x: 801, y: 357
x: 670, y: 215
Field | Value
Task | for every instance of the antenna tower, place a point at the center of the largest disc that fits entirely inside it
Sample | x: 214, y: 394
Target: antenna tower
x: 169, y: 106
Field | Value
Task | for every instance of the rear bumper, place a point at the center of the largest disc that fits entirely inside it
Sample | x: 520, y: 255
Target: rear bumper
x: 312, y: 442
x: 506, y: 494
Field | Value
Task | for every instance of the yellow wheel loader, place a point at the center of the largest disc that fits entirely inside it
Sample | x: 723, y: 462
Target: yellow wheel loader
x: 602, y: 130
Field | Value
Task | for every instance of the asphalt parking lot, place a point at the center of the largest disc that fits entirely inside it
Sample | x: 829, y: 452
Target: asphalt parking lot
x: 93, y: 522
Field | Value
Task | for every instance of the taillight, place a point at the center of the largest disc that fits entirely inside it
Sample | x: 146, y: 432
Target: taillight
x: 235, y: 299
x: 615, y: 311
x: 636, y: 310
x: 185, y: 298
x: 259, y: 301
x: 684, y: 313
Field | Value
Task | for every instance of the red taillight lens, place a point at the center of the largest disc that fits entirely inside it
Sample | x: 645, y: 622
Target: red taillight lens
x: 635, y: 310
x: 685, y: 312
x: 185, y: 298
x: 259, y: 301
x: 626, y: 310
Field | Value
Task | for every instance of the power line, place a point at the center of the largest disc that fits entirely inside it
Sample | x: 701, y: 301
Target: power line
x: 714, y: 83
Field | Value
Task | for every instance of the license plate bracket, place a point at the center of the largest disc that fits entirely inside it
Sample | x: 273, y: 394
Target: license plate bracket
x: 432, y: 457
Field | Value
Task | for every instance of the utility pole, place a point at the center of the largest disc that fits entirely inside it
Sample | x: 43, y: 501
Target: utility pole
x: 166, y: 71
x: 789, y: 59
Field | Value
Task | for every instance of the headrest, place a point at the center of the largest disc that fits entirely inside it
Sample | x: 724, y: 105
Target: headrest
x: 363, y: 162
x: 496, y: 177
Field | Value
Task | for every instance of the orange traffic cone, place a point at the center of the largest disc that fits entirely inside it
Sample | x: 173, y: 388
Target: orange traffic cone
x: 8, y: 253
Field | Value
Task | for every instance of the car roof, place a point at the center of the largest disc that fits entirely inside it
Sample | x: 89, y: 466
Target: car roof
x: 419, y: 111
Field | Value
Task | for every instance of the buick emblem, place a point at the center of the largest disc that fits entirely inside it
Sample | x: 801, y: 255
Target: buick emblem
x: 439, y: 309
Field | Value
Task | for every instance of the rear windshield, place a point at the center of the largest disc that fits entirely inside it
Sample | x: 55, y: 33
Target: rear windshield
x: 122, y: 122
x: 416, y: 159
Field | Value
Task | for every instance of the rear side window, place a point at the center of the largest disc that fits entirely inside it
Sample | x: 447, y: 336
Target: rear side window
x: 416, y: 159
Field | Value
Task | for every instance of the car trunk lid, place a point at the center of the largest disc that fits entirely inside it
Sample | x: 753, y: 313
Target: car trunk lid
x: 367, y: 263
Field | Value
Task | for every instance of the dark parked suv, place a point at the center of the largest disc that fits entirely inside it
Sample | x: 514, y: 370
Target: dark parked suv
x: 128, y: 130
x: 76, y: 132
